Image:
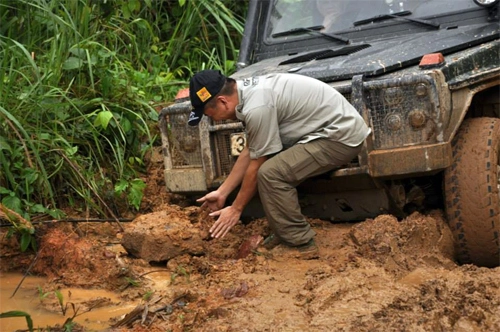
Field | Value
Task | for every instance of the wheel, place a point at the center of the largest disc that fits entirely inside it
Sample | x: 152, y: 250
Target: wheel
x: 472, y: 186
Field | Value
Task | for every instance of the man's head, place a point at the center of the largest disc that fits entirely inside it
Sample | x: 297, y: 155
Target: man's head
x: 206, y: 89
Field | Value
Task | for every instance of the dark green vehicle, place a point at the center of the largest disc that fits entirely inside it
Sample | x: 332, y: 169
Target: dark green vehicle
x: 424, y: 74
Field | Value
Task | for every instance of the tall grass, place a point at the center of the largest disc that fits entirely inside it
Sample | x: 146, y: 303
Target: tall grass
x: 79, y: 82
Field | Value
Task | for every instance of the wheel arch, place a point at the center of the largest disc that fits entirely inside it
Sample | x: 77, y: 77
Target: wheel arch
x: 485, y: 103
x: 468, y: 102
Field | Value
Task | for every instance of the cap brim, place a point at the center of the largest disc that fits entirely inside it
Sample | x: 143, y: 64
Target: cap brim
x: 195, y: 117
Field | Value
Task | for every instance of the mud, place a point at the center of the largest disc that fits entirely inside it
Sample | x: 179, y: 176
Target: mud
x: 93, y: 306
x: 381, y: 274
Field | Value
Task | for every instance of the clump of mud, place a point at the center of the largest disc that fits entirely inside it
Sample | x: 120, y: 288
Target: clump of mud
x: 400, y: 247
x: 402, y: 277
x: 368, y: 298
x: 72, y: 260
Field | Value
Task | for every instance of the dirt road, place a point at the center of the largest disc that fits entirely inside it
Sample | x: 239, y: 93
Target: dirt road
x: 375, y: 275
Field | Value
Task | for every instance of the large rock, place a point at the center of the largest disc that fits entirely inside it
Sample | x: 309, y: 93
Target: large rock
x: 161, y: 236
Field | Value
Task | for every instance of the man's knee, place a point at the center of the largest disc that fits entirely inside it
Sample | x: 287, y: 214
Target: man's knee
x: 263, y: 173
x: 271, y: 171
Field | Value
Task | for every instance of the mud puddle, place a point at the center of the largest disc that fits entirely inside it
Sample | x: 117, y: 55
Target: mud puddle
x: 43, y: 307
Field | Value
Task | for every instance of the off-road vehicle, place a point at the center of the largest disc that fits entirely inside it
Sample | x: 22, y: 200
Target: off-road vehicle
x: 424, y: 74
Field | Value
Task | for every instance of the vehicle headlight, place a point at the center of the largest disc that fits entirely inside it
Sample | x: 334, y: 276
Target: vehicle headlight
x: 403, y: 112
x: 486, y: 3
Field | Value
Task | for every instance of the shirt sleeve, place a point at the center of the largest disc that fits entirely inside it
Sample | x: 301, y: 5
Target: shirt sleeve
x: 262, y: 131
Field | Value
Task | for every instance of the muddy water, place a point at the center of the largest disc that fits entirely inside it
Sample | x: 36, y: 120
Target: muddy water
x: 27, y: 299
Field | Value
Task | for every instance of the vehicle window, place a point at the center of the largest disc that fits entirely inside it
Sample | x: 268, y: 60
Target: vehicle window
x: 338, y: 15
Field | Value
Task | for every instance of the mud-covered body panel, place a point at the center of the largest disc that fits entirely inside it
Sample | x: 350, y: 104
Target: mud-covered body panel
x: 381, y: 56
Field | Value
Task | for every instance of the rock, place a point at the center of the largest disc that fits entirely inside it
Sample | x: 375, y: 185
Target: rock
x: 249, y: 245
x: 239, y: 291
x: 163, y: 235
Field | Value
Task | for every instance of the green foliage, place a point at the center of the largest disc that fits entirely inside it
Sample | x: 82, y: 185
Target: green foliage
x: 20, y: 226
x: 41, y: 294
x: 147, y: 296
x: 134, y: 188
x: 79, y: 83
x: 60, y: 300
x: 180, y: 271
x: 68, y: 326
x: 10, y: 314
x: 27, y: 239
x: 69, y: 322
x: 133, y: 282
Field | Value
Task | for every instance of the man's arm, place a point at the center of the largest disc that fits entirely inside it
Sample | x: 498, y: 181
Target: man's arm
x: 249, y: 185
x: 215, y: 200
x: 229, y: 216
x: 237, y: 173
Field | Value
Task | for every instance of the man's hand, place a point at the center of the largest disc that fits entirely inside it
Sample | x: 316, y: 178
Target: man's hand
x: 228, y: 217
x: 214, y: 201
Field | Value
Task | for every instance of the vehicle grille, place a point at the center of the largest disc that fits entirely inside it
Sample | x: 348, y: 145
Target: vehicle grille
x: 348, y: 97
x: 221, y: 148
x: 184, y: 141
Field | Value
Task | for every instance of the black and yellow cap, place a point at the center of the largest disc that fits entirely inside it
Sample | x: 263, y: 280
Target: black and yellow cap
x: 203, y: 86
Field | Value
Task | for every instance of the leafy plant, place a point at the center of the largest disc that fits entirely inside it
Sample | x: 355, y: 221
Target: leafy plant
x: 147, y: 295
x: 135, y: 190
x: 68, y: 326
x: 41, y: 294
x: 180, y: 270
x: 132, y: 282
x: 10, y: 314
x: 69, y: 323
x: 60, y: 300
x: 20, y: 225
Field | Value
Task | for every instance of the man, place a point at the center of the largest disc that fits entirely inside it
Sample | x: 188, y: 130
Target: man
x: 296, y: 127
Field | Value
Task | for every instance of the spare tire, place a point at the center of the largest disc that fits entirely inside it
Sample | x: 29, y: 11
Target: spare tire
x: 472, y: 196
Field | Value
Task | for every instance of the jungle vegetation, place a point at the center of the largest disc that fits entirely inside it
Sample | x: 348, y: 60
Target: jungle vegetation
x: 81, y: 82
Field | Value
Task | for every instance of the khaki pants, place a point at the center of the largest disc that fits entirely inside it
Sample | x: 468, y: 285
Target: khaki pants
x: 279, y: 175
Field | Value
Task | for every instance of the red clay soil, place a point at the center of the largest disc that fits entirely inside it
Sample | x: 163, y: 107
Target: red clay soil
x: 377, y: 275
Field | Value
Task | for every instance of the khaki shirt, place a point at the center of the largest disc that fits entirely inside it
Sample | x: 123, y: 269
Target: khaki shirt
x: 280, y: 110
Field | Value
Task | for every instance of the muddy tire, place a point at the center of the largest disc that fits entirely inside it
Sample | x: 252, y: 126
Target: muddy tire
x: 471, y: 187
